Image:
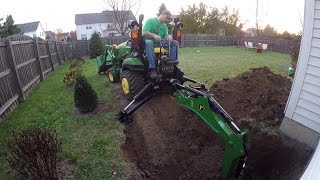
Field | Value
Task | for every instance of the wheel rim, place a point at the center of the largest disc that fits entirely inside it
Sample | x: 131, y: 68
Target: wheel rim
x: 110, y: 76
x: 125, y: 86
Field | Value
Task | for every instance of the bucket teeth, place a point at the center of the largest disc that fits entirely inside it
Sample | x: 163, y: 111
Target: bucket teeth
x: 124, y: 118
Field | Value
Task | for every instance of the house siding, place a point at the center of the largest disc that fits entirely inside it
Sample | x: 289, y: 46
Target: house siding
x: 82, y: 30
x: 304, y: 101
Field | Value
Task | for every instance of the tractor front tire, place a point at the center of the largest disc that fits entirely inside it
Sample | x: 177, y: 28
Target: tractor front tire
x: 112, y: 76
x: 132, y: 83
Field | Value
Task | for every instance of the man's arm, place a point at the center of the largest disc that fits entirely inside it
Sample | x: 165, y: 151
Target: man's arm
x: 151, y: 35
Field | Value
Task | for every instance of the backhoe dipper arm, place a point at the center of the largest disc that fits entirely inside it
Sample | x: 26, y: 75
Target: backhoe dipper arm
x: 142, y: 97
x: 208, y: 109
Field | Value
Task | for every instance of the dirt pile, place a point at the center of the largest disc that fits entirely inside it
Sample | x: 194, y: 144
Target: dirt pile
x: 257, y: 94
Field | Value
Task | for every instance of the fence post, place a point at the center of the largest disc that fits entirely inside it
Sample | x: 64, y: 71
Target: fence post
x: 36, y: 51
x: 196, y: 40
x: 67, y: 49
x: 49, y: 55
x: 207, y: 38
x: 12, y: 64
x: 63, y: 52
x: 57, y: 52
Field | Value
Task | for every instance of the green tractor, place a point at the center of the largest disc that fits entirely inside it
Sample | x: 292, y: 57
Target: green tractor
x: 129, y: 65
x: 112, y: 59
x: 127, y: 62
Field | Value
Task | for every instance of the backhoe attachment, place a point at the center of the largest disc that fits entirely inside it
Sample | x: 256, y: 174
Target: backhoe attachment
x: 200, y: 101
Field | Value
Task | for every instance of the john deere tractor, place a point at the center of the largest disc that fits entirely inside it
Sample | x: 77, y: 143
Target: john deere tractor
x: 129, y: 65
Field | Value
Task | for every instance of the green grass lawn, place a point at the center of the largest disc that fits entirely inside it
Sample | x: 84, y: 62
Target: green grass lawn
x: 215, y: 63
x: 92, y: 144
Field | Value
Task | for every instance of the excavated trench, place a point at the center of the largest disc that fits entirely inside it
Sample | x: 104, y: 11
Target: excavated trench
x: 167, y: 141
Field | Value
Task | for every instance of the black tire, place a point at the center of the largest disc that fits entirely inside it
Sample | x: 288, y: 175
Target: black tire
x: 179, y: 75
x: 112, y: 76
x: 134, y: 83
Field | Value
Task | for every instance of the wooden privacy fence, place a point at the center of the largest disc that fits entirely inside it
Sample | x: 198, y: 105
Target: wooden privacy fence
x: 115, y: 40
x: 200, y: 40
x: 24, y: 61
x: 196, y: 40
x: 274, y: 44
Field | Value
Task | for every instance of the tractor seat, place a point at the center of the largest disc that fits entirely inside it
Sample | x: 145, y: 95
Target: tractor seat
x: 157, y: 50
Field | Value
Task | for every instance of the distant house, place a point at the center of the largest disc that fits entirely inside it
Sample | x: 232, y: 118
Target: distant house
x: 102, y: 23
x: 63, y: 36
x: 50, y: 35
x: 32, y: 29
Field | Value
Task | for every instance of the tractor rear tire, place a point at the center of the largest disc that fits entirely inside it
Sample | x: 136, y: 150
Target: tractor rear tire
x: 132, y: 83
x: 112, y: 76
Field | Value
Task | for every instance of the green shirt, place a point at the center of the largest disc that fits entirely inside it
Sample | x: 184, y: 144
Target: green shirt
x: 154, y: 26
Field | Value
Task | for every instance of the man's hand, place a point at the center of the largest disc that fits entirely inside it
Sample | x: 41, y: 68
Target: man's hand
x: 157, y: 37
x: 169, y: 38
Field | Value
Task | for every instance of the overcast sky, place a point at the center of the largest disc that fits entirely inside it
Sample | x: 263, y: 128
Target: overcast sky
x: 60, y: 14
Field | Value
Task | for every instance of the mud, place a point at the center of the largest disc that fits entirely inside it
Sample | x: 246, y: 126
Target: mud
x: 167, y: 141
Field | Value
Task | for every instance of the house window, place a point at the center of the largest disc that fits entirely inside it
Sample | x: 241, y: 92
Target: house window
x: 83, y: 37
x: 88, y: 27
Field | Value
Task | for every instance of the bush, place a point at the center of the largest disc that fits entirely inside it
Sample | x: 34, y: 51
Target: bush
x: 69, y: 78
x: 95, y: 46
x: 294, y: 52
x: 33, y: 153
x: 85, y: 98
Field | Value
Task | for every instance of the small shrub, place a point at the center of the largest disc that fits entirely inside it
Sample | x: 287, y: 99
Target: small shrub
x: 95, y: 45
x: 33, y: 153
x: 69, y: 78
x: 77, y: 63
x: 85, y: 98
x: 294, y: 52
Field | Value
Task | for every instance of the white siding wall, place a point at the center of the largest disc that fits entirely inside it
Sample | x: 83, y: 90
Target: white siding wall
x: 82, y: 30
x: 40, y: 33
x: 304, y: 101
x: 31, y: 34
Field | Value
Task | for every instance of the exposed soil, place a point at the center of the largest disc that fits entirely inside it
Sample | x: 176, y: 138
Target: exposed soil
x: 101, y: 107
x: 65, y: 170
x: 256, y: 94
x: 167, y: 141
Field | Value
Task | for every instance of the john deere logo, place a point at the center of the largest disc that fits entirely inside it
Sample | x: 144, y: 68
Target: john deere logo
x: 200, y: 107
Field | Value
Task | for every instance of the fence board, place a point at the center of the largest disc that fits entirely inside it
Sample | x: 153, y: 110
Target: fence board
x: 8, y: 104
x: 4, y: 73
x: 25, y: 63
x: 11, y: 60
x: 25, y: 60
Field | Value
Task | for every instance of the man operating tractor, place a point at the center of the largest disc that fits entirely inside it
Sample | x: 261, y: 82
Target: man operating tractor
x: 156, y: 34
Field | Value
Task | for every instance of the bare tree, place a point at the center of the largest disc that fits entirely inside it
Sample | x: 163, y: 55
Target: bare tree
x: 121, y: 10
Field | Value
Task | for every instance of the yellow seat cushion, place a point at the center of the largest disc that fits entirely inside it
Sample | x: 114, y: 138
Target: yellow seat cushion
x: 157, y: 50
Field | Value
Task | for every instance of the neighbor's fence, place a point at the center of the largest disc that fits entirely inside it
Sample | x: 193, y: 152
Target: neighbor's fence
x: 115, y: 40
x: 274, y: 44
x: 198, y: 40
x: 24, y: 61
